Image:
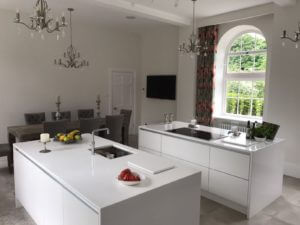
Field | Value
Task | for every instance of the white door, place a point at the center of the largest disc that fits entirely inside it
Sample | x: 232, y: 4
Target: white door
x: 123, y: 93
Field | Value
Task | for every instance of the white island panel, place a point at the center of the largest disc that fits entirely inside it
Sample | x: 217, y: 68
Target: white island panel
x: 229, y: 187
x: 186, y: 150
x: 69, y: 186
x: 233, y: 163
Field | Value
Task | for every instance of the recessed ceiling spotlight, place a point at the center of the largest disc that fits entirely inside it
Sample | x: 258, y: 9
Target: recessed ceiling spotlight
x: 130, y: 17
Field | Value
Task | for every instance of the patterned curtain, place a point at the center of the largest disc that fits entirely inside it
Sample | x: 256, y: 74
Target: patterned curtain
x: 205, y: 74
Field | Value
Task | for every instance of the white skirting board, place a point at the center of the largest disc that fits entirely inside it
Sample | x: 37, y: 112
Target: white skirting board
x: 292, y: 169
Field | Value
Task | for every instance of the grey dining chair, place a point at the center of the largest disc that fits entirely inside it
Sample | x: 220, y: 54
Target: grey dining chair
x: 6, y: 151
x: 88, y: 125
x: 64, y: 115
x: 85, y: 114
x: 55, y: 127
x: 126, y: 123
x: 115, y: 123
x: 34, y: 118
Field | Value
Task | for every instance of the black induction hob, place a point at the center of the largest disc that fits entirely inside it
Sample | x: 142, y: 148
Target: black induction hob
x: 197, y: 133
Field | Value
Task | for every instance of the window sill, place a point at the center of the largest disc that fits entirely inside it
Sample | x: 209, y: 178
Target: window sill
x: 237, y: 119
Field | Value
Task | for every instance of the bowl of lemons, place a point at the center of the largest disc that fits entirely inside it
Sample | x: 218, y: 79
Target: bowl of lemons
x: 69, y: 138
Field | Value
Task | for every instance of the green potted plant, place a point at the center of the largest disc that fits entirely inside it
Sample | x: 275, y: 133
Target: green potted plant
x: 260, y: 134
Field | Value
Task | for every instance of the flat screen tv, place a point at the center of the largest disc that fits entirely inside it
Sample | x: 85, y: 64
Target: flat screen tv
x: 161, y: 87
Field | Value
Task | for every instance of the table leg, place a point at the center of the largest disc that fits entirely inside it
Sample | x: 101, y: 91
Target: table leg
x: 11, y: 141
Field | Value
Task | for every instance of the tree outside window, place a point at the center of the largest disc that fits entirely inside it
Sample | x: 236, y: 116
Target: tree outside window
x: 245, y: 76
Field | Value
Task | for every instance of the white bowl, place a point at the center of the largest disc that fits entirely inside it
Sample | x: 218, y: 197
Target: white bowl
x: 133, y: 183
x: 260, y: 139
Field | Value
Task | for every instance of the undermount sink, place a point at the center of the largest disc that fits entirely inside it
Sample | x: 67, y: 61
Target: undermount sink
x: 111, y: 152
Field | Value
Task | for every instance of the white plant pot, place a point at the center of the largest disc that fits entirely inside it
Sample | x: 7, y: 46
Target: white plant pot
x: 258, y: 139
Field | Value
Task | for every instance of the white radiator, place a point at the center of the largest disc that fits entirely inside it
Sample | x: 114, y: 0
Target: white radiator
x: 228, y: 126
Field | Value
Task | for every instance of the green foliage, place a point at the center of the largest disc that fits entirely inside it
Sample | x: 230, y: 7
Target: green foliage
x: 240, y: 96
x: 246, y: 61
x: 259, y: 132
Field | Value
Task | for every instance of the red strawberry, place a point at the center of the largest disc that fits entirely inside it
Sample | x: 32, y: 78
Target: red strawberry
x: 123, y: 173
x: 126, y: 177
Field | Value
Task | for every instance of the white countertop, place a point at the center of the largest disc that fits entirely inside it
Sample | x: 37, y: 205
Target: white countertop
x: 256, y: 146
x: 93, y: 178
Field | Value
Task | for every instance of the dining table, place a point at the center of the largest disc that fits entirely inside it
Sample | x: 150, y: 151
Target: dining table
x: 32, y: 132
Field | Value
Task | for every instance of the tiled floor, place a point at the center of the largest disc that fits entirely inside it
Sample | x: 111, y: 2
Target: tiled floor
x: 284, y: 211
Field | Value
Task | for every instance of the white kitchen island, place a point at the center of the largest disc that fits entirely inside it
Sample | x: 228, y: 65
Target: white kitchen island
x: 245, y: 178
x: 69, y: 186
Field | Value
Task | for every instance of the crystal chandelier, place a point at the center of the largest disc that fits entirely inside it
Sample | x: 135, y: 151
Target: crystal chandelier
x: 193, y: 45
x: 42, y: 19
x: 72, y: 58
x: 296, y: 38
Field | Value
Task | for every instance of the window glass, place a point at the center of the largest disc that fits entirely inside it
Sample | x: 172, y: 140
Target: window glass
x: 246, y: 66
x: 245, y: 98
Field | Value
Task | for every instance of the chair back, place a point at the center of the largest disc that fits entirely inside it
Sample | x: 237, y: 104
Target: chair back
x: 114, y: 124
x: 88, y: 125
x: 35, y: 118
x: 126, y: 123
x: 85, y: 114
x: 63, y: 115
x: 55, y: 127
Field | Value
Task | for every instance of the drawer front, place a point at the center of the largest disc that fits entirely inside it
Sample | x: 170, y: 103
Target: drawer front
x: 204, y: 170
x: 77, y: 213
x: 150, y: 151
x: 228, y: 187
x: 186, y: 150
x: 230, y: 162
x: 150, y: 140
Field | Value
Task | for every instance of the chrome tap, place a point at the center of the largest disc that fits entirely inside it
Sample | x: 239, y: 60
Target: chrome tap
x: 93, y: 138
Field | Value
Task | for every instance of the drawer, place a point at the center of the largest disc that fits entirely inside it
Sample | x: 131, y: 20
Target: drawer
x: 228, y: 187
x: 233, y: 163
x: 150, y: 151
x: 150, y: 140
x: 186, y: 150
x: 204, y: 170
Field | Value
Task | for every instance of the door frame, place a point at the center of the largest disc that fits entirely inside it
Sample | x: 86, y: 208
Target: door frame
x: 110, y: 93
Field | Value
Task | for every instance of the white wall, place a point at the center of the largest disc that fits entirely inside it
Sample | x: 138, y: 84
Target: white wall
x: 159, y: 57
x: 29, y: 82
x: 186, y: 87
x: 284, y: 91
x: 283, y: 80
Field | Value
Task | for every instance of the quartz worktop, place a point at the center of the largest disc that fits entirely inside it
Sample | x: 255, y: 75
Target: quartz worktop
x: 219, y: 143
x: 92, y: 178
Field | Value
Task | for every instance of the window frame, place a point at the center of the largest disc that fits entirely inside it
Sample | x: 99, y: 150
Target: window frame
x: 241, y: 76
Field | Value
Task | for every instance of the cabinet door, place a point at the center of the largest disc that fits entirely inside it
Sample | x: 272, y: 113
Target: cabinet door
x: 228, y: 187
x: 150, y: 151
x: 230, y: 162
x: 150, y: 140
x: 28, y: 187
x: 76, y: 212
x: 53, y: 202
x: 186, y: 150
x: 40, y: 195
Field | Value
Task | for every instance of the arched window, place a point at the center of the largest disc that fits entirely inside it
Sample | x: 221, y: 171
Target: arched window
x: 244, y: 76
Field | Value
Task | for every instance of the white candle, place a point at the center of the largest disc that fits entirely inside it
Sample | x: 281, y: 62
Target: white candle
x: 45, y: 138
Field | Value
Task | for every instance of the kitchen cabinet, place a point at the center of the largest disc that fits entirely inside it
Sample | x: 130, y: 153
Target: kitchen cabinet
x: 232, y: 163
x: 149, y: 140
x: 246, y: 179
x: 76, y: 212
x: 186, y: 150
x: 46, y: 201
x: 229, y: 187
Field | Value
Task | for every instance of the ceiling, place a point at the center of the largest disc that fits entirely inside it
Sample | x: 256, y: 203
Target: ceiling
x: 204, y: 8
x: 148, y: 12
